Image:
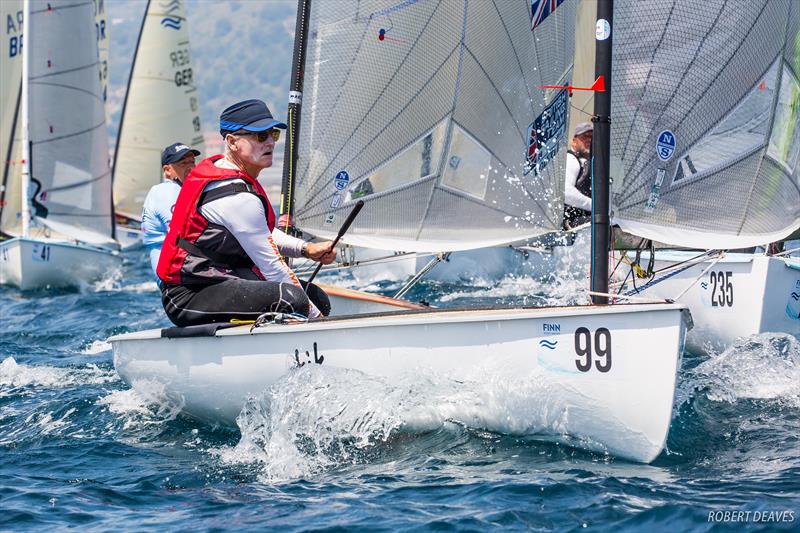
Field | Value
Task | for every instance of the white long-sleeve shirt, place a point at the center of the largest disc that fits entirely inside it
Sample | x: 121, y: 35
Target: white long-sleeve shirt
x: 572, y: 196
x: 243, y: 215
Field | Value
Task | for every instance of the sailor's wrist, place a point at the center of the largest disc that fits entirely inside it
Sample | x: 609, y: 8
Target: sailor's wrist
x: 304, y: 250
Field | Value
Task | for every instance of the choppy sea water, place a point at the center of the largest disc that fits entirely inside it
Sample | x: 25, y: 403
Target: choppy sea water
x: 80, y: 449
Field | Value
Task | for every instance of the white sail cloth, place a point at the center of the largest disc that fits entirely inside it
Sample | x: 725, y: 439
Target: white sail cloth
x: 426, y: 111
x: 10, y: 120
x: 705, y: 128
x: 69, y: 165
x: 162, y: 105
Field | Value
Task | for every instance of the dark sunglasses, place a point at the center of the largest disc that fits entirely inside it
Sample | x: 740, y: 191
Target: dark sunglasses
x: 261, y: 136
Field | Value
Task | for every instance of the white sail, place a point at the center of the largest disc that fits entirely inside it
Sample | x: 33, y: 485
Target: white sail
x: 161, y: 106
x: 69, y: 168
x: 426, y: 111
x: 10, y: 120
x: 706, y: 130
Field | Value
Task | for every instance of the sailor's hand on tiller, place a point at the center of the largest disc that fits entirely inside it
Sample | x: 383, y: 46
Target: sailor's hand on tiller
x: 322, y: 252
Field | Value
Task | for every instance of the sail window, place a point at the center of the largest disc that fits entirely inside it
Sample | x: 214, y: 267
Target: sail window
x: 468, y: 164
x: 784, y: 143
x: 740, y: 132
x: 418, y: 161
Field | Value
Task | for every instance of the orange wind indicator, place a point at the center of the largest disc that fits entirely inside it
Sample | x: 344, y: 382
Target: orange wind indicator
x: 599, y: 85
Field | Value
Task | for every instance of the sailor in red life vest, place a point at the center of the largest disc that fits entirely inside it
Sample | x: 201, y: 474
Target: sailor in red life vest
x: 221, y: 257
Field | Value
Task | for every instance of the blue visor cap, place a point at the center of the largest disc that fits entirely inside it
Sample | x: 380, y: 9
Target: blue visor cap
x: 250, y: 115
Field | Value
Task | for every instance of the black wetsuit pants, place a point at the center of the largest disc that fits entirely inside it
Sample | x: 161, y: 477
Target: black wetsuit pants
x: 240, y: 299
x: 574, y: 217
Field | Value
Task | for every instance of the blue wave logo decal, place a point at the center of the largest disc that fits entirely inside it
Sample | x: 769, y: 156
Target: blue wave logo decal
x: 704, y: 285
x: 795, y: 296
x: 170, y: 7
x: 172, y: 22
x: 550, y: 345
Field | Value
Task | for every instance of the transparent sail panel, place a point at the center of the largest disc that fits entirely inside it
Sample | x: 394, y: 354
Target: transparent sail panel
x: 162, y: 105
x: 70, y: 178
x: 422, y: 109
x: 696, y: 98
x: 418, y: 161
x: 784, y: 143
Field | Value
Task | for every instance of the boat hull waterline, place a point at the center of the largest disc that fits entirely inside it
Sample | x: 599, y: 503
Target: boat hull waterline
x: 602, y: 377
x: 33, y: 263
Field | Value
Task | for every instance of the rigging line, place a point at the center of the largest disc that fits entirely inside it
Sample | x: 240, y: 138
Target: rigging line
x: 50, y: 8
x: 580, y: 110
x: 456, y: 94
x: 397, y: 115
x: 703, y: 273
x: 76, y: 184
x: 74, y: 214
x: 697, y: 101
x: 68, y: 135
x: 67, y: 71
x: 344, y: 141
x: 71, y: 87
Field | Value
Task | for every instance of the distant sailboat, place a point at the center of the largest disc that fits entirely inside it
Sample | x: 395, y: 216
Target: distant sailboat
x: 161, y: 107
x: 706, y: 151
x: 56, y: 207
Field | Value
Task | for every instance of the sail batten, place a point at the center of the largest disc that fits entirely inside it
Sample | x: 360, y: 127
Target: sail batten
x: 429, y: 112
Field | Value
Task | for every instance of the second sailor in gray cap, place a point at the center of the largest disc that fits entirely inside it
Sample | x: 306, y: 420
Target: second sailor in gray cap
x: 578, y: 178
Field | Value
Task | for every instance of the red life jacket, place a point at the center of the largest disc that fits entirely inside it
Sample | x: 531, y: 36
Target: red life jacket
x: 197, y: 251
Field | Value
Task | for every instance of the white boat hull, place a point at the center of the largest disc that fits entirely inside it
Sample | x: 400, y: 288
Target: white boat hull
x: 130, y: 239
x: 38, y: 263
x: 741, y: 295
x: 619, y: 403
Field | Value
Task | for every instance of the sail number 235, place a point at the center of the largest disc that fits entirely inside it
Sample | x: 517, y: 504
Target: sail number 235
x: 721, y: 289
x: 593, y: 349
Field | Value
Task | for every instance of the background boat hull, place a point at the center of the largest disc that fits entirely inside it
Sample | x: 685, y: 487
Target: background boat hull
x: 32, y: 264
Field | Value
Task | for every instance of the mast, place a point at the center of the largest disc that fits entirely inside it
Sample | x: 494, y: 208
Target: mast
x: 601, y: 152
x: 293, y: 113
x: 26, y: 159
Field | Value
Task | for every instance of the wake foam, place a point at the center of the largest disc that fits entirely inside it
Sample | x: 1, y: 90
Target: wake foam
x: 15, y: 378
x: 760, y: 367
x: 144, y: 409
x: 316, y: 418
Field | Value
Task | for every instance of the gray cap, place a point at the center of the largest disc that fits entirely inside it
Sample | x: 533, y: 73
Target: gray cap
x: 582, y: 128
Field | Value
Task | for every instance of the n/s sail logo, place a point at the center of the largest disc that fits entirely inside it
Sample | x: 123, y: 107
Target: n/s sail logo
x: 170, y: 8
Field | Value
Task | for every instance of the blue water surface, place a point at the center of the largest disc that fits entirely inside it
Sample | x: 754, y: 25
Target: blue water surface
x: 80, y: 449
